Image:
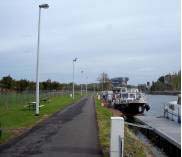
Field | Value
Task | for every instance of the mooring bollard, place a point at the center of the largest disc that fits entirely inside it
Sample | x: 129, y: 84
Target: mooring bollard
x: 117, y: 137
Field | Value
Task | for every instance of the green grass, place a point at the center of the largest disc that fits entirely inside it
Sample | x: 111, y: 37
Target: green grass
x: 103, y: 119
x: 132, y: 145
x: 14, y: 117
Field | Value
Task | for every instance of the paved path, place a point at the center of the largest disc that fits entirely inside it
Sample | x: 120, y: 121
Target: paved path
x: 70, y: 133
x: 168, y: 129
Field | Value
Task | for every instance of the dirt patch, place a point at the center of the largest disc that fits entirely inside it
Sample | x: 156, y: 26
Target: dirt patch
x: 116, y: 113
x: 18, y: 131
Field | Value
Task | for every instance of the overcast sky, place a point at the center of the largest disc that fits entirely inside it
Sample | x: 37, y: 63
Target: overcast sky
x: 139, y: 39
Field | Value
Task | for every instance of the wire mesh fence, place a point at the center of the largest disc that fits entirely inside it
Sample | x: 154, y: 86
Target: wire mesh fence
x: 12, y: 98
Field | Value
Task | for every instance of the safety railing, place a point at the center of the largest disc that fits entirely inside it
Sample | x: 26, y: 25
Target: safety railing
x: 172, y: 112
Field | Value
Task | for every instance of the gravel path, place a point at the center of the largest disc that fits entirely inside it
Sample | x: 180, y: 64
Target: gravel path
x: 69, y: 133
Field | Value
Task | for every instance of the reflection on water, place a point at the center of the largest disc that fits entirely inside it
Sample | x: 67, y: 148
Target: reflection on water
x: 157, y: 102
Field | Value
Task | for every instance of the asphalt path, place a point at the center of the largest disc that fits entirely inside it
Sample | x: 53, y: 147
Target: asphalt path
x: 68, y: 133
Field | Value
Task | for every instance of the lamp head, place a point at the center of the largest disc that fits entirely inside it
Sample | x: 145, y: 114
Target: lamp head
x: 74, y: 60
x: 44, y: 6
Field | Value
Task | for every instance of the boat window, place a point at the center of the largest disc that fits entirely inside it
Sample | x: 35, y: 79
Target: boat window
x: 132, y: 96
x: 125, y: 95
x: 171, y: 106
x: 138, y: 96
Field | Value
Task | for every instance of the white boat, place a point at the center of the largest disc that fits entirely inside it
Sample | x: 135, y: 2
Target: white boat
x: 172, y: 110
x: 130, y: 101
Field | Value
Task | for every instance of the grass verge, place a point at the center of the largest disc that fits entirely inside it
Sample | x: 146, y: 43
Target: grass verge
x: 132, y: 145
x: 16, y: 118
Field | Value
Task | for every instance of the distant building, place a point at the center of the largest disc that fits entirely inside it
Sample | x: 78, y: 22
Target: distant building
x: 148, y: 84
x: 119, y: 81
x: 142, y: 87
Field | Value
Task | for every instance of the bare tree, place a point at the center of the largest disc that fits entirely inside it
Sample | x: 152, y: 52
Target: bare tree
x: 105, y: 82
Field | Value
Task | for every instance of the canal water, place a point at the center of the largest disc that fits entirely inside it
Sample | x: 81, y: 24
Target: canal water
x: 156, y: 103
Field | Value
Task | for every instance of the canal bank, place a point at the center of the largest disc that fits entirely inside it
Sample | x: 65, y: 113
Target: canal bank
x: 165, y: 128
x: 164, y: 92
x: 139, y: 130
x: 164, y: 133
x: 160, y: 146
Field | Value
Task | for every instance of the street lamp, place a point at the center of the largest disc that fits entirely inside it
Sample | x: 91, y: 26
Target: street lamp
x: 74, y: 61
x: 81, y: 84
x: 44, y: 6
x: 86, y: 83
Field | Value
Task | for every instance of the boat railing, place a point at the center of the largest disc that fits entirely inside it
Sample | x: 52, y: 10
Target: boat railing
x: 172, y: 112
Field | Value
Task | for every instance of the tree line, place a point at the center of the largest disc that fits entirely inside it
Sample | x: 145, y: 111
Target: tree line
x: 169, y: 82
x: 7, y: 83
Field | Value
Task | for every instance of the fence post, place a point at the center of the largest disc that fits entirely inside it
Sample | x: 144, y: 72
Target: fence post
x: 117, y: 137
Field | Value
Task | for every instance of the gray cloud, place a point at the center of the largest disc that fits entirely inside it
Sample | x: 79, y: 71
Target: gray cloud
x: 123, y: 38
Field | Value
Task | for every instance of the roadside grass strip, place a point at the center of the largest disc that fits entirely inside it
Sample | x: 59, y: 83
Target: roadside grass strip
x: 15, y: 118
x: 132, y: 145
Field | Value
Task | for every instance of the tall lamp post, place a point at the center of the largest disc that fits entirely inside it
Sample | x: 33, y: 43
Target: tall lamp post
x: 81, y: 85
x: 86, y: 83
x: 74, y: 61
x: 42, y: 6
